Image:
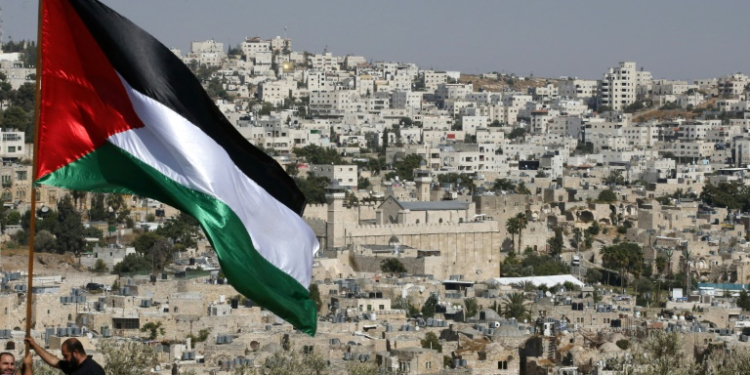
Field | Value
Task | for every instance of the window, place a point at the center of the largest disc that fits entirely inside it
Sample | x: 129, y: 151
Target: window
x: 21, y: 175
x: 404, y: 366
x: 126, y: 323
x: 502, y: 365
x: 11, y: 148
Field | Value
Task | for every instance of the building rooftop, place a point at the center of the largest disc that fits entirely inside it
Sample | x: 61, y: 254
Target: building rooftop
x: 434, y: 205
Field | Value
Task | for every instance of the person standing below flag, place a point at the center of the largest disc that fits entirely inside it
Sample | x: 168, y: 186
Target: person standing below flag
x: 74, y: 362
x: 7, y: 363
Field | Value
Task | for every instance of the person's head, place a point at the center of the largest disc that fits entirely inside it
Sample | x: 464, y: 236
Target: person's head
x: 7, y: 363
x: 72, y: 351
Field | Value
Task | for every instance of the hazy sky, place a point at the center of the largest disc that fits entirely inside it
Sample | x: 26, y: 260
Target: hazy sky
x: 677, y: 39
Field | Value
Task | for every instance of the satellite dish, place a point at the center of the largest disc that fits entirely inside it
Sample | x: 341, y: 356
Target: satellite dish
x: 157, y: 368
x: 90, y: 335
x: 254, y: 345
x: 44, y: 209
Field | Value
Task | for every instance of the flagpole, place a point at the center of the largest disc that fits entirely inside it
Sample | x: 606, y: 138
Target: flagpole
x: 32, y: 222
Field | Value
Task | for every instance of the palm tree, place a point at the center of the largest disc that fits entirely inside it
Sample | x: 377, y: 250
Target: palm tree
x: 512, y: 225
x: 515, y: 307
x: 661, y: 264
x: 522, y: 223
x: 78, y: 197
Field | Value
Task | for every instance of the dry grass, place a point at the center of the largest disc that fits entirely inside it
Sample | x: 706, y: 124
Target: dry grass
x: 499, y: 85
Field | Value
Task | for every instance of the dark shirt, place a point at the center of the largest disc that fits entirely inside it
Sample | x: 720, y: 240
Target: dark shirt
x: 87, y: 367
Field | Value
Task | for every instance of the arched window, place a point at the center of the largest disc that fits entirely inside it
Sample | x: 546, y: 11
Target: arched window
x: 440, y: 221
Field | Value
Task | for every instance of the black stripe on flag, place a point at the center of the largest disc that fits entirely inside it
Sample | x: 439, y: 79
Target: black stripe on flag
x: 153, y: 70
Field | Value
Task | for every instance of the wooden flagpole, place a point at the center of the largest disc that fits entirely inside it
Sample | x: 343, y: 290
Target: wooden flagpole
x: 32, y: 223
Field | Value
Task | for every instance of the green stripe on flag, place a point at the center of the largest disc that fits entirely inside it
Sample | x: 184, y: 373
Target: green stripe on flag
x: 112, y: 170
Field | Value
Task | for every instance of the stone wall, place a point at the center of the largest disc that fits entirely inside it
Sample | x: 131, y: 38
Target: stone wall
x: 471, y: 249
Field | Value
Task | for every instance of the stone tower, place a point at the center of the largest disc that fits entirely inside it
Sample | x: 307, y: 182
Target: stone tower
x: 422, y: 180
x: 335, y: 235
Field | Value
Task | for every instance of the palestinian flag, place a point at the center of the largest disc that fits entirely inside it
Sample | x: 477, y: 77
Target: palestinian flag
x: 120, y: 113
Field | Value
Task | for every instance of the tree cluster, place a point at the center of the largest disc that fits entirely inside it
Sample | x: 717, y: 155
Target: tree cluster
x: 504, y: 185
x: 517, y: 133
x: 318, y: 155
x: 313, y: 187
x: 58, y: 231
x: 732, y: 195
x: 459, y: 179
x: 532, y: 265
x: 392, y: 265
x: 625, y: 257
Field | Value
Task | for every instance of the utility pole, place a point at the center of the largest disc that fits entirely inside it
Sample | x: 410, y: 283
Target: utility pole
x: 686, y: 255
x: 578, y: 252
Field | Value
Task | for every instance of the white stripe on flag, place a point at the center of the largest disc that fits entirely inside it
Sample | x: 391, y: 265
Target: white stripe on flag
x: 181, y: 151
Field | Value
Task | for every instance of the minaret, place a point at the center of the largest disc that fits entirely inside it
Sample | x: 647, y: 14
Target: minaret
x: 423, y: 180
x: 335, y: 236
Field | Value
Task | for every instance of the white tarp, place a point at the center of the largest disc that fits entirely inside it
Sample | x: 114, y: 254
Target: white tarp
x: 537, y: 280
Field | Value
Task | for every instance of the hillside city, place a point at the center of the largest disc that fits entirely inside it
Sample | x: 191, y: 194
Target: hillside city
x: 468, y: 223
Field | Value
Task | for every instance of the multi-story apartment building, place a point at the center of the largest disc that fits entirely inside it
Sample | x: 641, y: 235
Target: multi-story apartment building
x: 569, y: 126
x: 544, y: 93
x: 540, y: 120
x: 577, y: 88
x: 470, y: 124
x: 346, y: 175
x: 570, y: 107
x: 317, y: 81
x: 279, y: 44
x: 275, y: 92
x: 432, y: 79
x: 407, y: 99
x: 251, y: 46
x: 495, y: 136
x: 206, y: 46
x: 351, y: 62
x: 331, y: 102
x: 695, y: 149
x: 667, y: 87
x: 12, y: 144
x: 732, y: 105
x: 641, y: 137
x: 722, y: 134
x: 324, y: 62
x: 453, y: 91
x: 733, y: 84
x: 692, y: 131
x: 617, y: 89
